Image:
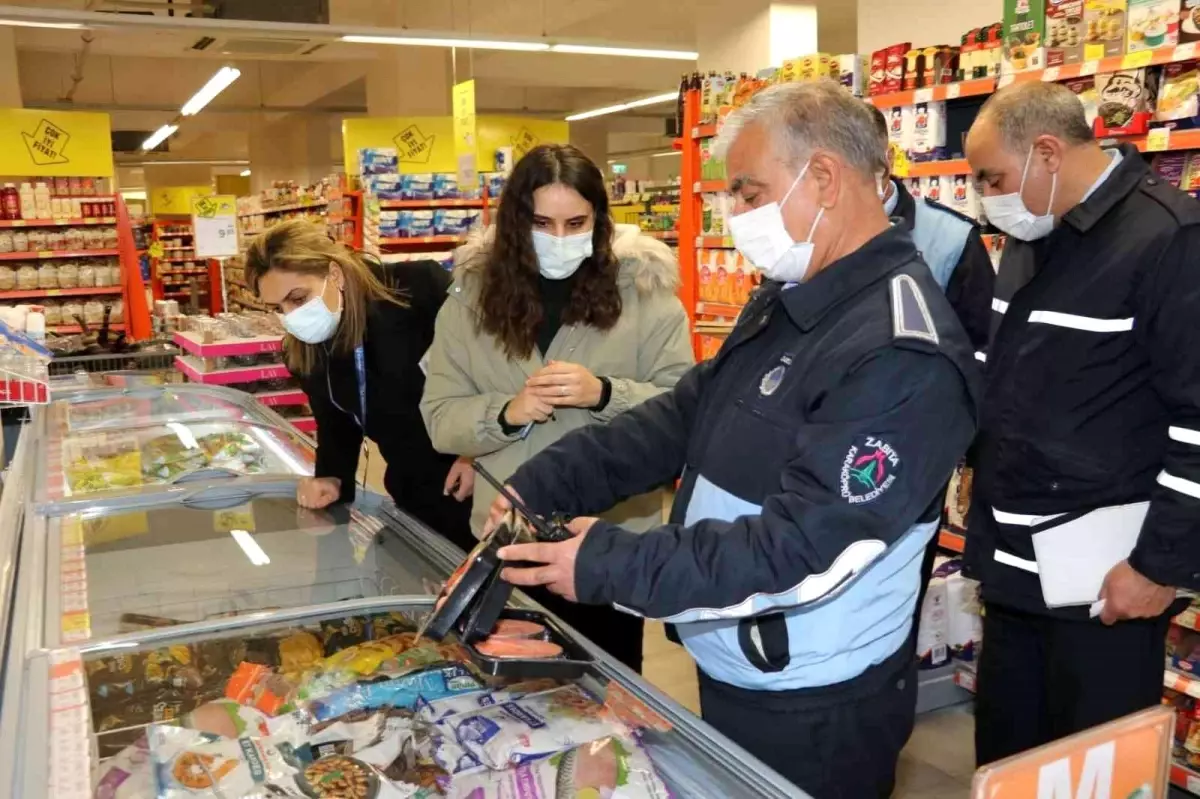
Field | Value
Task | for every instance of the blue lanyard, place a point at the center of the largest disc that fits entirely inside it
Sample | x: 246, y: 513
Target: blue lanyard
x: 361, y: 368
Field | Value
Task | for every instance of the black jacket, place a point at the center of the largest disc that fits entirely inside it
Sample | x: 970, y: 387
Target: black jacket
x: 1093, y: 385
x: 397, y: 337
x: 865, y: 359
x: 973, y: 280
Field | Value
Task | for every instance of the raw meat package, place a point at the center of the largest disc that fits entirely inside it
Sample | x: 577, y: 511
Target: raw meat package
x: 1104, y: 23
x: 1153, y: 24
x: 1064, y: 32
x: 1024, y: 32
x: 614, y: 767
x: 932, y: 629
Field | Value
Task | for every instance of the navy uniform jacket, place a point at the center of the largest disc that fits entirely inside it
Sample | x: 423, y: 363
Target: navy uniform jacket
x: 815, y: 450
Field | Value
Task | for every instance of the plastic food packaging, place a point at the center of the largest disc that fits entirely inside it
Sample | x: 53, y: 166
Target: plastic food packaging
x: 468, y: 703
x: 614, y: 766
x: 56, y: 240
x: 73, y: 238
x: 47, y: 276
x: 51, y: 309
x: 430, y: 684
x: 27, y: 277
x: 6, y: 241
x: 118, y: 312
x: 37, y: 240
x: 68, y: 275
x: 538, y: 725
x: 126, y: 775
x: 8, y: 278
x: 20, y: 241
x: 188, y: 763
x: 93, y: 239
x: 108, y: 238
x: 93, y: 312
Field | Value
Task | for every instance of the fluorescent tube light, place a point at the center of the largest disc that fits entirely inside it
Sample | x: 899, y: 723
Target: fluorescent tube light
x: 629, y: 52
x: 245, y: 173
x: 159, y: 136
x: 468, y: 44
x: 666, y: 97
x: 21, y: 23
x: 216, y: 84
x: 667, y: 154
x: 253, y: 551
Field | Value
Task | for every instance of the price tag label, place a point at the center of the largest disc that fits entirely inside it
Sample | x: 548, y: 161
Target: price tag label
x: 1184, y: 52
x: 1050, y: 74
x: 923, y: 96
x: 1158, y: 139
x: 1005, y: 80
x: 1090, y: 67
x: 214, y: 226
x: 1142, y: 58
x: 953, y: 91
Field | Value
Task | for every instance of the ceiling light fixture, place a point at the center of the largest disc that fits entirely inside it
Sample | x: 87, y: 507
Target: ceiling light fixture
x: 159, y: 136
x: 245, y: 173
x: 666, y: 97
x: 628, y: 52
x: 667, y: 154
x: 216, y: 84
x: 21, y: 23
x: 466, y: 44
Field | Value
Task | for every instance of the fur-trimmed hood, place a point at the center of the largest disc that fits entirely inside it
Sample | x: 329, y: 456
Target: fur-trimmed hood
x: 647, y: 264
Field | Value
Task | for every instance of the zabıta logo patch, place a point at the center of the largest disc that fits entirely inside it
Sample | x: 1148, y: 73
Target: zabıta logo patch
x: 868, y: 470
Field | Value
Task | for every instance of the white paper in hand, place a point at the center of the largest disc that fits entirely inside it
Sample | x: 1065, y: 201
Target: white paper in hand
x: 1073, y: 558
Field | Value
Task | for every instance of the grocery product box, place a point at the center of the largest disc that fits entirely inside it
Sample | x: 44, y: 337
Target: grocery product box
x: 1152, y: 24
x: 1178, y: 103
x: 894, y: 63
x: 417, y: 186
x: 1125, y: 102
x: 852, y: 72
x: 1170, y: 167
x: 899, y: 135
x: 916, y: 187
x: 912, y: 67
x: 445, y: 186
x: 963, y: 197
x: 877, y: 77
x: 1024, y: 35
x: 454, y: 221
x: 1085, y: 90
x: 378, y: 160
x: 386, y: 186
x: 964, y: 623
x: 1104, y: 23
x: 928, y: 139
x: 1189, y: 21
x: 1065, y: 31
x: 933, y: 633
x: 406, y: 224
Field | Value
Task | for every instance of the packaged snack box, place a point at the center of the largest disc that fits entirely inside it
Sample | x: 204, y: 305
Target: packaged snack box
x: 1064, y: 32
x: 1189, y: 21
x: 1152, y: 24
x: 1125, y: 102
x: 1104, y: 22
x: 895, y: 67
x: 928, y: 141
x: 1024, y: 35
x: 1178, y: 100
x: 878, y: 73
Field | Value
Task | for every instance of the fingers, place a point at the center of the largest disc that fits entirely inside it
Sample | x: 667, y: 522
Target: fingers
x: 533, y: 553
x: 452, y: 482
x: 541, y: 575
x: 580, y: 525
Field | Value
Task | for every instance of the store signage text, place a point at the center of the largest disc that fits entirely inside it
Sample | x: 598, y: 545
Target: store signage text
x: 47, y: 143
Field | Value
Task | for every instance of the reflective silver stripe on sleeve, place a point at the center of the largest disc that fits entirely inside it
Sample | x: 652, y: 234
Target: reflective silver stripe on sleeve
x: 981, y: 357
x: 1022, y: 519
x: 1089, y: 323
x: 1017, y: 563
x: 1179, y: 484
x: 1185, y: 435
x: 999, y: 305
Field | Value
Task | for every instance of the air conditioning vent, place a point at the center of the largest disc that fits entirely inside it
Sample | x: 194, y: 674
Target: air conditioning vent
x: 203, y: 43
x: 264, y: 47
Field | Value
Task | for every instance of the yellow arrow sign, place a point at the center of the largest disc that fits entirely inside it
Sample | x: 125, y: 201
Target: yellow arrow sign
x: 47, y: 143
x: 414, y: 146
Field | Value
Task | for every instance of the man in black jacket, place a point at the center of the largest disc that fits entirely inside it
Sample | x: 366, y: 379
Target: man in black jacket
x: 1090, y: 425
x: 815, y: 450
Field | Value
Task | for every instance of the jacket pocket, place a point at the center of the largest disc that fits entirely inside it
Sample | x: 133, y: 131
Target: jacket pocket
x: 764, y: 642
x: 1048, y: 474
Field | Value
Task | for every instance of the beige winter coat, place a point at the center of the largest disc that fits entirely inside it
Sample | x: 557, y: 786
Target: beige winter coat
x: 470, y: 378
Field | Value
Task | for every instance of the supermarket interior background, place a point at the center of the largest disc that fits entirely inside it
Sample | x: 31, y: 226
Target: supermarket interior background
x: 145, y: 142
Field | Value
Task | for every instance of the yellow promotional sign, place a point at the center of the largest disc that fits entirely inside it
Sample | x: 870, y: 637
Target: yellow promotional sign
x: 465, y: 147
x: 42, y: 143
x: 214, y: 226
x: 177, y: 200
x: 426, y: 144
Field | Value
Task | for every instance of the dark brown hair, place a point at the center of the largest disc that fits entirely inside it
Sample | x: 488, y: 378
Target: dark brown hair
x: 510, y: 302
x: 300, y: 246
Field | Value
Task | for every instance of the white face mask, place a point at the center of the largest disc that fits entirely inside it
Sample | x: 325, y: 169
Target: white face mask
x: 560, y: 257
x: 1009, y: 213
x: 313, y: 322
x: 762, y: 237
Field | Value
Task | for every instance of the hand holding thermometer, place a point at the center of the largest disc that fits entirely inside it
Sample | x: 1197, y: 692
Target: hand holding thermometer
x: 550, y: 532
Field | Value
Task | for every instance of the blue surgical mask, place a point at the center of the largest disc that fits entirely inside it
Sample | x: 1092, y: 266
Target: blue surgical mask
x: 313, y: 322
x: 559, y: 257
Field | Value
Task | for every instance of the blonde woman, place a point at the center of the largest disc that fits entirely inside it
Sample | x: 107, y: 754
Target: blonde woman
x: 356, y: 332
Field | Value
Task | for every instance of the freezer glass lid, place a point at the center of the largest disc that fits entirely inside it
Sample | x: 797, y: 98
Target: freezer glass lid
x: 174, y: 564
x: 91, y: 464
x: 108, y: 410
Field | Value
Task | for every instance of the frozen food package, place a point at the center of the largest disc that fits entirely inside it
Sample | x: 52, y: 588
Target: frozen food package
x: 537, y: 725
x: 436, y: 682
x: 614, y: 767
x: 466, y: 703
x: 227, y: 719
x: 126, y: 775
x: 189, y: 763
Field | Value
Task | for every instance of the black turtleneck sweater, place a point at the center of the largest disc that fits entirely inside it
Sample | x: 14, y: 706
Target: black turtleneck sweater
x: 556, y: 295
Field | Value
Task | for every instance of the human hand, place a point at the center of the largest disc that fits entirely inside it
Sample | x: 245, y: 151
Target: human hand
x: 569, y: 385
x: 500, y: 506
x: 557, y: 571
x: 460, y: 480
x: 527, y: 407
x: 1127, y: 594
x: 318, y: 492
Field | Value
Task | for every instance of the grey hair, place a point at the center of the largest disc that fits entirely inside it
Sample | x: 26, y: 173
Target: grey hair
x: 1024, y: 111
x: 804, y: 117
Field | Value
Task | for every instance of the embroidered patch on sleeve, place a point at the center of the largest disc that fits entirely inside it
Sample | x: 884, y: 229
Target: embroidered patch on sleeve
x: 868, y: 470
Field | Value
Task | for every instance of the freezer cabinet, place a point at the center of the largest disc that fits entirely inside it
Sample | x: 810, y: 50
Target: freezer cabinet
x: 232, y: 570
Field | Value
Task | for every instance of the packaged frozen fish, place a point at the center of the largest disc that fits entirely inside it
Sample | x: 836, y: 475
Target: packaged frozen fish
x: 126, y: 775
x: 168, y: 456
x: 436, y: 682
x: 188, y: 763
x: 466, y: 703
x: 537, y: 725
x: 613, y: 767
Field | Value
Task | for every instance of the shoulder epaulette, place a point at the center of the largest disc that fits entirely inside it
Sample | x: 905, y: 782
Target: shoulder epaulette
x: 947, y: 209
x: 910, y: 313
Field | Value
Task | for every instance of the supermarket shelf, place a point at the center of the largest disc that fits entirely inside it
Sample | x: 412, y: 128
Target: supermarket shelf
x: 169, y: 272
x: 704, y: 186
x: 1183, y: 683
x: 292, y: 396
x: 247, y: 303
x: 664, y: 208
x: 925, y: 169
x: 1189, y: 619
x: 177, y: 249
x: 393, y: 204
x: 1145, y: 58
x: 1185, y: 777
x: 305, y: 424
x: 224, y: 377
x: 955, y: 542
x: 76, y: 292
x: 42, y: 254
x: 949, y: 91
x: 67, y: 329
x: 718, y: 309
x: 939, y: 688
x: 704, y: 131
x: 714, y: 242
x: 965, y: 676
x: 285, y: 208
x: 417, y: 241
x: 194, y: 343
x: 91, y: 220
x: 1164, y: 139
x: 662, y: 235
x: 182, y: 260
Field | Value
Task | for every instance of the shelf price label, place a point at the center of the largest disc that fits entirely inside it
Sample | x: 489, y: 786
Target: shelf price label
x: 214, y: 226
x: 1158, y: 139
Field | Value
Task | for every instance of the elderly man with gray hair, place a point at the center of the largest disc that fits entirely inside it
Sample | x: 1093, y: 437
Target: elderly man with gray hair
x: 1085, y: 518
x: 815, y: 450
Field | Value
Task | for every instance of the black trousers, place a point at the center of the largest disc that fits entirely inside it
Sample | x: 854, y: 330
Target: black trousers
x: 835, y: 742
x: 1042, y: 678
x: 617, y: 633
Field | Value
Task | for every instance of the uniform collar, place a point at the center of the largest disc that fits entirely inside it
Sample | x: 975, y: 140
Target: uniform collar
x: 906, y: 206
x: 846, y: 277
x: 1124, y: 178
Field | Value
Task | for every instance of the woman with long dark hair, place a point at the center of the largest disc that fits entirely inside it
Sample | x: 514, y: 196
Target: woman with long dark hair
x: 356, y: 331
x: 558, y: 318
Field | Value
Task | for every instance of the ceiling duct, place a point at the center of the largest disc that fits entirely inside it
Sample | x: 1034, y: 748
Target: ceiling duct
x: 314, y: 12
x: 130, y: 141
